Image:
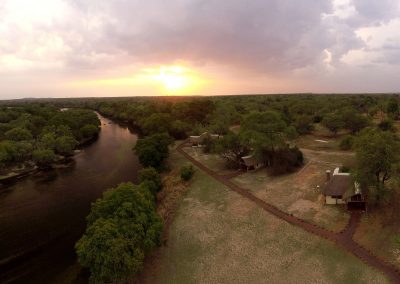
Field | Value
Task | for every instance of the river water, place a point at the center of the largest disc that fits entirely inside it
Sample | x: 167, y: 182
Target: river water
x: 42, y: 216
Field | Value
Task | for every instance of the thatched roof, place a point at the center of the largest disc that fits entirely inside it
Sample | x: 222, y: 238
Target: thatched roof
x: 338, y: 185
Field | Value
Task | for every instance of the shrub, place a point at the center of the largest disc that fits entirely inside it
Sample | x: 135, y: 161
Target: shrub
x: 346, y: 143
x: 187, y: 172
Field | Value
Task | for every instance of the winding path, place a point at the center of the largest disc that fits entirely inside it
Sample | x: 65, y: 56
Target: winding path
x: 343, y: 239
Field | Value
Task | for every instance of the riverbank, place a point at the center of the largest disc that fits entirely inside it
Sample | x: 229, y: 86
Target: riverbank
x: 43, y: 215
x: 16, y: 173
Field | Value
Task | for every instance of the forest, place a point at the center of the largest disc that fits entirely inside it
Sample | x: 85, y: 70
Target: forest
x: 38, y: 135
x: 266, y: 127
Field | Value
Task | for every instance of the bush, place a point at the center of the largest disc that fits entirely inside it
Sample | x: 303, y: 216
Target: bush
x: 346, y: 143
x: 187, y: 172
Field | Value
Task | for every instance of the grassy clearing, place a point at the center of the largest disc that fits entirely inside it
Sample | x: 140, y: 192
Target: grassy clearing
x: 218, y: 236
x: 377, y: 232
x: 212, y: 161
x: 297, y: 193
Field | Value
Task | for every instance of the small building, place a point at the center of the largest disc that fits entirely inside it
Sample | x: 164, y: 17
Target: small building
x: 340, y: 188
x: 251, y: 163
x: 198, y: 140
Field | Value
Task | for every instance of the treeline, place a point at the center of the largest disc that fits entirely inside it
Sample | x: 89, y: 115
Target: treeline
x: 42, y: 133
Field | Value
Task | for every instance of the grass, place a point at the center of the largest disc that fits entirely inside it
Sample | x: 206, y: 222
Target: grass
x: 212, y: 161
x: 218, y: 236
x: 379, y: 231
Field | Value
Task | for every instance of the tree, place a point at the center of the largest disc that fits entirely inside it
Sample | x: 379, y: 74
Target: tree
x: 18, y: 134
x: 377, y: 157
x: 352, y: 120
x: 89, y: 131
x: 392, y: 108
x: 152, y: 150
x: 231, y: 149
x: 121, y: 228
x: 386, y: 125
x: 156, y: 123
x: 65, y: 145
x: 303, y: 124
x: 265, y: 132
x: 152, y: 178
x: 43, y: 158
x: 333, y: 122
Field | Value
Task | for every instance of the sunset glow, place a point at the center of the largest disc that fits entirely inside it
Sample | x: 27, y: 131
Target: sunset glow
x: 163, y: 80
x: 59, y: 48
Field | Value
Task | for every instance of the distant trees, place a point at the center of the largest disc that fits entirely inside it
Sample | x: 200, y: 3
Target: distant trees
x: 122, y: 228
x: 303, y: 124
x: 33, y: 132
x: 333, y: 122
x: 392, y: 108
x: 377, y: 157
x: 18, y: 134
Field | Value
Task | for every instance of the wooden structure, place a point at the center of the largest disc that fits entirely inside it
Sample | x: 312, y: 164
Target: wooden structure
x: 197, y: 141
x: 341, y: 189
x: 251, y: 163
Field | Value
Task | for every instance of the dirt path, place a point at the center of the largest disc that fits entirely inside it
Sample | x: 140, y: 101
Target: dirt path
x: 343, y: 239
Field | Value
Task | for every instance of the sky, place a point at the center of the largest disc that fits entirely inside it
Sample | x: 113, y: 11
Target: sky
x: 79, y: 48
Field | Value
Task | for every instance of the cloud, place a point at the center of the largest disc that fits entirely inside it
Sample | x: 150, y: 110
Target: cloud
x: 271, y: 38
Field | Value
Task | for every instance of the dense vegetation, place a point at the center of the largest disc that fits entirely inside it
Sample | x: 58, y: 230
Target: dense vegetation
x: 122, y: 227
x: 41, y: 133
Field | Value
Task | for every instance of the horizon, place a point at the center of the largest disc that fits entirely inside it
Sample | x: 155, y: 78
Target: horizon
x: 62, y: 49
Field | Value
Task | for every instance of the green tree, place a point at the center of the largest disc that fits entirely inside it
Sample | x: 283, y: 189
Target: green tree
x: 152, y: 150
x: 303, y: 124
x: 89, y: 131
x: 230, y: 148
x: 152, y: 178
x: 43, y: 158
x: 392, y: 108
x: 65, y: 145
x: 265, y: 132
x: 377, y: 157
x: 156, y: 123
x: 18, y: 134
x: 122, y: 227
x: 333, y: 122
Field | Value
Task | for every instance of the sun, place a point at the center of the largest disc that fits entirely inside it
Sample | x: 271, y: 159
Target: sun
x: 176, y: 80
x: 173, y: 78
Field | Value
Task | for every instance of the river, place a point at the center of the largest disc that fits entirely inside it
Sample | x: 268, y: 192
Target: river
x: 42, y: 216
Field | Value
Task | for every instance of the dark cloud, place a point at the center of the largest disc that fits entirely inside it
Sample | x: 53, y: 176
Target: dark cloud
x: 271, y: 36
